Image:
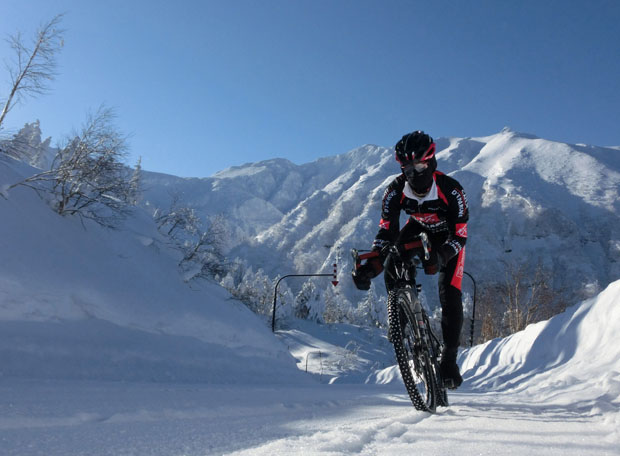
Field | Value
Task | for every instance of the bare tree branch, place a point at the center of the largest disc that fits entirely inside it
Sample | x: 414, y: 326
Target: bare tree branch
x: 34, y: 67
x: 525, y: 296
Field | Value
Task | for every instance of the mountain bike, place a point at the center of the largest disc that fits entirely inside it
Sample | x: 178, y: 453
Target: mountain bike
x: 417, y: 349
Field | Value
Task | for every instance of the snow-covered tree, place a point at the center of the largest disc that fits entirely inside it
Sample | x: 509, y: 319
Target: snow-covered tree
x: 135, y: 183
x: 201, y: 248
x: 87, y: 177
x: 202, y: 253
x: 329, y: 309
x: 256, y: 290
x: 372, y: 311
x: 303, y: 299
x: 178, y: 222
x: 26, y: 146
x: 320, y: 308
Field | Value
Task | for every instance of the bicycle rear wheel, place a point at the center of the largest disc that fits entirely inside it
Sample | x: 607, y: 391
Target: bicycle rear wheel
x: 412, y: 353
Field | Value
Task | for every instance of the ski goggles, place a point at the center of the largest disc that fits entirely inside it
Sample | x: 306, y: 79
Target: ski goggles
x: 415, y: 166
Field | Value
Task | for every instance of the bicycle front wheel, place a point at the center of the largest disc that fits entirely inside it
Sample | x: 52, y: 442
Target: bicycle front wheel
x: 412, y: 352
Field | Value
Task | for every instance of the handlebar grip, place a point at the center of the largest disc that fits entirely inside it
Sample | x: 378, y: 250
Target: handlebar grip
x: 421, y: 243
x: 365, y: 256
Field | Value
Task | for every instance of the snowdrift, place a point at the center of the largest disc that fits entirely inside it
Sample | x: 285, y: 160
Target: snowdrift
x: 81, y: 302
x: 576, y: 351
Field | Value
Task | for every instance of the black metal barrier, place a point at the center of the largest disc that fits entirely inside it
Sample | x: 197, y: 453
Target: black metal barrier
x: 275, y: 293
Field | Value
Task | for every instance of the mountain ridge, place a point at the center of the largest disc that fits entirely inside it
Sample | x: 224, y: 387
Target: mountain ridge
x: 520, y: 187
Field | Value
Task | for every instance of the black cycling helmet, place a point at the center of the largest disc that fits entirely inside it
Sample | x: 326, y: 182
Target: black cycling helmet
x: 416, y: 154
x: 416, y: 146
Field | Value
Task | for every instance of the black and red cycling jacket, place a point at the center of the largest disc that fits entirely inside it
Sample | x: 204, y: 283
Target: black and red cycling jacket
x: 443, y: 213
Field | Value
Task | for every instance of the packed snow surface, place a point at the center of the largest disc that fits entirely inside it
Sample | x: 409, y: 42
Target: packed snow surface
x: 65, y: 418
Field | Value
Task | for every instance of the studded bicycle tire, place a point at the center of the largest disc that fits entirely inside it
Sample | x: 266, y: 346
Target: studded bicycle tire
x: 414, y: 361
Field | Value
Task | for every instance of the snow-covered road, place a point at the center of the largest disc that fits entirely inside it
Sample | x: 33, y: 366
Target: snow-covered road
x: 79, y: 418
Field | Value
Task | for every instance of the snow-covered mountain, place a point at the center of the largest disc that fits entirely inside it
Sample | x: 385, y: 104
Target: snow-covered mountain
x: 532, y: 200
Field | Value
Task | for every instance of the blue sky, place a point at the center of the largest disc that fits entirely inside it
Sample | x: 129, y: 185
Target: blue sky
x: 204, y: 85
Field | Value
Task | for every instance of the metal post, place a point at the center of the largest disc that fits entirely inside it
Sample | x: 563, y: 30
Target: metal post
x: 275, y: 293
x: 473, y: 312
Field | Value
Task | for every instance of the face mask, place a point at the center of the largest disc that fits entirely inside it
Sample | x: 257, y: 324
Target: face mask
x: 419, y: 176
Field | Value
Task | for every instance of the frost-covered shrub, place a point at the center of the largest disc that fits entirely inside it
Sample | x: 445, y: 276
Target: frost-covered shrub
x: 88, y: 177
x: 201, y: 248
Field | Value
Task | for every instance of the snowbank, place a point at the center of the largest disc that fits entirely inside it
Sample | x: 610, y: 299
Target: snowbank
x: 576, y: 351
x: 80, y: 301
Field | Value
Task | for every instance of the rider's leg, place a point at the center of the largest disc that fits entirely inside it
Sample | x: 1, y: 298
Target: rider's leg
x: 452, y: 316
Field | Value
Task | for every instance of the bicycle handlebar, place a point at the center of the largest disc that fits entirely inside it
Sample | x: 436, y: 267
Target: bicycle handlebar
x: 423, y: 243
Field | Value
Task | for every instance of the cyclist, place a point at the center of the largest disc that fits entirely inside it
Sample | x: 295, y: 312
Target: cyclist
x: 436, y: 204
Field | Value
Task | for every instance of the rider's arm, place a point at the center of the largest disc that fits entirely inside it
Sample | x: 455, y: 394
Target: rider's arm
x: 390, y: 213
x: 457, y: 217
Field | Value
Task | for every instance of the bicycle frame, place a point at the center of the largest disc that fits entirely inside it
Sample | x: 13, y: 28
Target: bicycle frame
x: 424, y: 345
x: 404, y: 270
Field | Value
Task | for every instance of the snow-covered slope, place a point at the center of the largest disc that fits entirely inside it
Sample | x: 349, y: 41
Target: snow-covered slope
x: 531, y: 200
x: 80, y: 301
x: 573, y: 354
x: 571, y: 358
